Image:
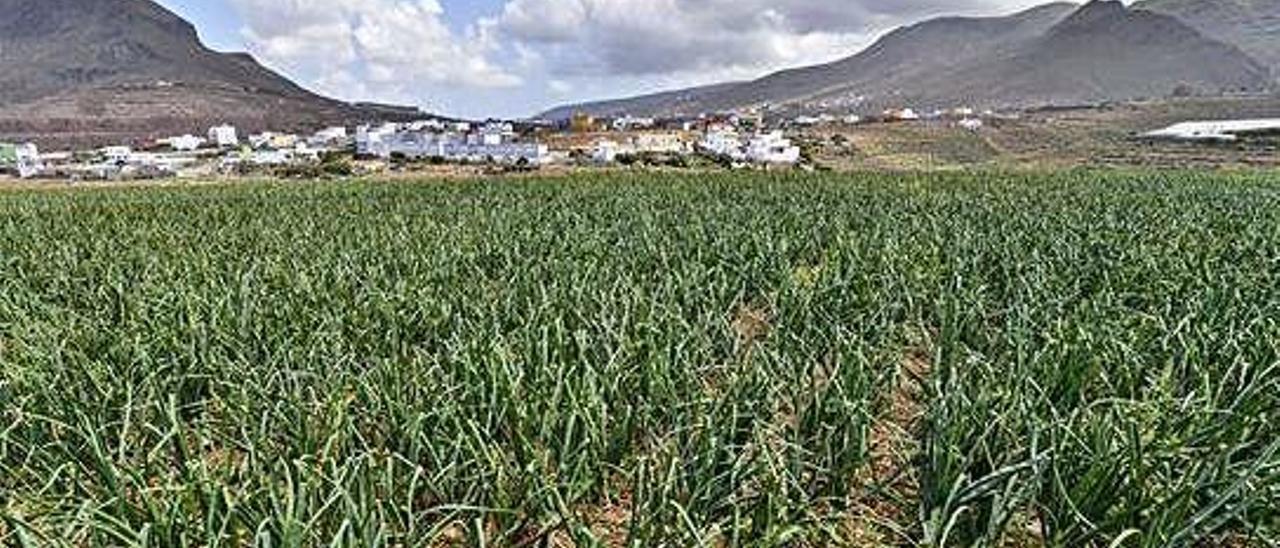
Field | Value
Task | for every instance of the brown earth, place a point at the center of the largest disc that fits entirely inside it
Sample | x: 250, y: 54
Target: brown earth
x: 1104, y: 136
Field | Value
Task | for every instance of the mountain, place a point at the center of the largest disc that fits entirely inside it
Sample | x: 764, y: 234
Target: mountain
x: 1101, y: 52
x: 670, y: 101
x: 108, y: 70
x: 1251, y: 25
x: 1053, y: 54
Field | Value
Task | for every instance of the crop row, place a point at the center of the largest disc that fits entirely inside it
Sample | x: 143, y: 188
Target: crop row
x: 745, y: 359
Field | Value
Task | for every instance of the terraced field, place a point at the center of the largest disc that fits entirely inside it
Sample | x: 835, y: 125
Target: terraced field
x: 1071, y: 359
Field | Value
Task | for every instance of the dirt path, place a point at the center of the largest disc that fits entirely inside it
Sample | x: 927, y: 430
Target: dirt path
x: 883, y: 509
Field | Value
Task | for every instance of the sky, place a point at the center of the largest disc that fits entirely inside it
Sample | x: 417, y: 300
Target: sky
x: 515, y: 58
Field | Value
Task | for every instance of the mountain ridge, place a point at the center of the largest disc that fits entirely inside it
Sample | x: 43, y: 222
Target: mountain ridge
x: 1252, y: 25
x: 1027, y: 58
x: 137, y: 71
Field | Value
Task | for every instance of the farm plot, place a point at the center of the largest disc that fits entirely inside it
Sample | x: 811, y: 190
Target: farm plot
x: 1072, y: 359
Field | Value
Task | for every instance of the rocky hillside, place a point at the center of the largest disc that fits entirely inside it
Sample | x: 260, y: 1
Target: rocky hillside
x: 1053, y: 54
x: 87, y: 71
x: 1252, y: 25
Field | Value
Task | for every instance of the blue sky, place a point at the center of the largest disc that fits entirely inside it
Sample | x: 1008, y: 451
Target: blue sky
x: 514, y: 58
x: 219, y: 24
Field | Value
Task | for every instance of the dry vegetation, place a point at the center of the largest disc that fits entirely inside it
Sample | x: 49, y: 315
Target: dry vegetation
x: 1086, y: 137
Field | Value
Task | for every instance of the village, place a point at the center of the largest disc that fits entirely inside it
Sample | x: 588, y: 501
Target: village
x: 741, y: 140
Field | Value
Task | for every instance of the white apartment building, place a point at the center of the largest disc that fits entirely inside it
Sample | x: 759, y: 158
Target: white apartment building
x: 492, y: 142
x: 224, y: 136
x: 722, y: 141
x: 28, y: 160
x: 772, y: 148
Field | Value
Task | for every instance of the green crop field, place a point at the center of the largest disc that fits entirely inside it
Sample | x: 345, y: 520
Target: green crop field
x: 1073, y: 359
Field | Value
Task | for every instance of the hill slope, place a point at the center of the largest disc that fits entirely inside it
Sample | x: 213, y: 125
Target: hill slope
x: 1101, y: 52
x: 1057, y: 53
x: 1251, y: 25
x: 129, y: 69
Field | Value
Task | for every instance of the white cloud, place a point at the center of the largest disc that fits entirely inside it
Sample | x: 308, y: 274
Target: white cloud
x: 666, y: 37
x: 529, y: 53
x: 559, y: 87
x: 371, y: 49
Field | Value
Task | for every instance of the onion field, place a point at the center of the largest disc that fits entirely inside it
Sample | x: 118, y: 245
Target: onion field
x: 1069, y: 360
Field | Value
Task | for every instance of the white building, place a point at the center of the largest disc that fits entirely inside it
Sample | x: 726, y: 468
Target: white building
x: 493, y: 142
x: 224, y: 136
x: 971, y: 124
x: 902, y: 115
x: 420, y: 125
x: 628, y: 122
x: 1221, y: 130
x: 772, y: 148
x: 28, y: 160
x: 722, y: 141
x: 333, y: 136
x: 271, y: 157
x: 118, y: 155
x: 492, y: 134
x: 660, y: 142
x: 409, y: 144
x: 809, y: 120
x: 124, y: 162
x: 149, y: 160
x: 606, y: 152
x: 375, y: 140
x: 278, y: 141
x: 183, y: 143
x: 533, y: 154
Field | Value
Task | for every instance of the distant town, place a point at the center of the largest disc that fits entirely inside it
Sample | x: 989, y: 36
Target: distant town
x: 739, y: 139
x: 729, y: 140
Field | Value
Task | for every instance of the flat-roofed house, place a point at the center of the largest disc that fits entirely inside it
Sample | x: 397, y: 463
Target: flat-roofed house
x: 224, y: 136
